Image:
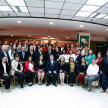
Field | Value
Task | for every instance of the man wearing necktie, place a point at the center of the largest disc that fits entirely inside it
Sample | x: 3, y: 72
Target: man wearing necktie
x: 51, y: 69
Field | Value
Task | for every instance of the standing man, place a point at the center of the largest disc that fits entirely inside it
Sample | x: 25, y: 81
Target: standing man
x: 51, y: 69
x: 35, y: 46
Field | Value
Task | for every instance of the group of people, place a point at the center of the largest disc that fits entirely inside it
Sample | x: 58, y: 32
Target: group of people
x: 46, y: 60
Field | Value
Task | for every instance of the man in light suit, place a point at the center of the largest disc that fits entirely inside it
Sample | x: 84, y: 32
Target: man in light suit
x: 51, y: 69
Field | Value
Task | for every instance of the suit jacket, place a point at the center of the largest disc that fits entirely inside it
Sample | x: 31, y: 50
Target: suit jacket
x: 47, y: 55
x: 14, y: 65
x: 2, y: 54
x: 78, y: 59
x: 104, y: 65
x: 60, y: 49
x: 26, y: 67
x: 99, y: 62
x: 29, y: 54
x: 2, y: 68
x: 37, y: 55
x: 21, y: 56
x: 36, y: 48
x: 38, y: 66
x: 56, y: 55
x: 49, y: 66
x: 63, y: 67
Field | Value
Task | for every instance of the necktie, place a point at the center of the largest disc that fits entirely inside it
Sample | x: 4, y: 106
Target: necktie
x: 49, y: 53
x: 23, y: 55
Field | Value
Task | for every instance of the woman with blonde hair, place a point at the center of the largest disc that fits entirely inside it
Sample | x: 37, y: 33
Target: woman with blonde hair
x: 62, y: 70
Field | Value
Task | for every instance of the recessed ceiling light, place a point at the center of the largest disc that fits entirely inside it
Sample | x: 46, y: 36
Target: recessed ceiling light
x: 18, y: 21
x: 107, y: 29
x: 48, y: 36
x: 5, y: 8
x: 67, y: 37
x: 83, y: 14
x: 96, y: 2
x: 29, y: 35
x: 89, y: 8
x: 51, y: 23
x: 81, y: 26
x: 16, y: 2
x: 11, y: 35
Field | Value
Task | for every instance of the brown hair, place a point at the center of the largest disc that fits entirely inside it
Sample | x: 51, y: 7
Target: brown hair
x: 71, y: 58
x: 31, y: 59
x: 100, y: 53
x: 63, y: 60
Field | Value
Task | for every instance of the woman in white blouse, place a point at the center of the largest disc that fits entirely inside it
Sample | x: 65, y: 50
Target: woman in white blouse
x: 29, y: 70
x: 64, y: 55
x: 92, y: 74
x: 4, y: 74
x: 71, y: 55
x: 13, y: 52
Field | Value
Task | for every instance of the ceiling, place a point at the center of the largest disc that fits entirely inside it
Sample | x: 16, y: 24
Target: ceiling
x: 93, y: 11
x: 66, y: 15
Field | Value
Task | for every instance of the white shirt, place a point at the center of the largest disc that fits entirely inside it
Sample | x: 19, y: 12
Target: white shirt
x: 4, y: 66
x: 73, y: 55
x: 11, y: 55
x: 93, y: 69
x: 65, y: 56
x: 62, y: 49
x: 30, y: 66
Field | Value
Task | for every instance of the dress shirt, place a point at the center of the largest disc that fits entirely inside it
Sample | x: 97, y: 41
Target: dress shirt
x: 4, y: 66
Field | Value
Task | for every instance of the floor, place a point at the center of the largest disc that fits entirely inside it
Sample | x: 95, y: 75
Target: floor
x: 53, y: 97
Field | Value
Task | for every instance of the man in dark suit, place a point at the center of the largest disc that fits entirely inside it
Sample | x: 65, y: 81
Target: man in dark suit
x: 48, y: 53
x: 62, y: 47
x: 57, y: 43
x: 38, y: 53
x: 51, y: 69
x: 31, y: 52
x: 3, y: 53
x: 23, y: 55
x: 26, y: 45
x: 35, y: 47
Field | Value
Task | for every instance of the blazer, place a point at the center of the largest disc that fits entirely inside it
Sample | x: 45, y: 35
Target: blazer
x: 47, y: 55
x: 99, y: 62
x: 104, y: 66
x: 21, y: 56
x: 79, y: 58
x: 63, y: 67
x: 2, y: 68
x: 26, y: 67
x: 49, y: 66
x: 60, y: 49
x: 29, y: 54
x: 82, y: 68
x: 37, y: 55
x: 2, y: 54
x: 90, y: 58
x: 56, y: 55
x: 38, y: 66
x: 14, y: 65
x: 68, y: 67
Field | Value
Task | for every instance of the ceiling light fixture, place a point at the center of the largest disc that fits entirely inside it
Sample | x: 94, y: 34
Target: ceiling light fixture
x: 16, y: 2
x: 18, y: 21
x: 107, y: 29
x: 106, y: 17
x: 11, y: 35
x: 81, y: 26
x: 51, y: 23
x: 83, y: 14
x: 23, y: 9
x: 101, y: 15
x: 29, y: 35
x: 5, y: 8
x: 89, y: 8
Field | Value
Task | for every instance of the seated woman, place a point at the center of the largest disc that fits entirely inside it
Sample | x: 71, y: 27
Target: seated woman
x: 62, y: 70
x: 82, y: 67
x: 29, y: 70
x: 4, y: 74
x: 17, y: 70
x: 40, y: 68
x: 70, y: 68
x: 92, y: 74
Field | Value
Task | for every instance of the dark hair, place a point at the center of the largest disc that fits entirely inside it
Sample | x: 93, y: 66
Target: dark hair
x: 71, y: 58
x: 100, y: 53
x: 3, y: 57
x: 31, y: 60
x: 63, y: 50
x: 93, y: 59
x: 89, y: 50
x: 70, y: 50
x: 12, y: 50
x: 39, y: 58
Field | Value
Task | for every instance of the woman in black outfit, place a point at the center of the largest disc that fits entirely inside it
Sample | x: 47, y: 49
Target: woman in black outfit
x: 62, y: 70
x: 56, y: 53
x: 40, y: 68
x: 71, y: 70
x: 4, y: 74
x: 82, y: 67
x: 104, y: 72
